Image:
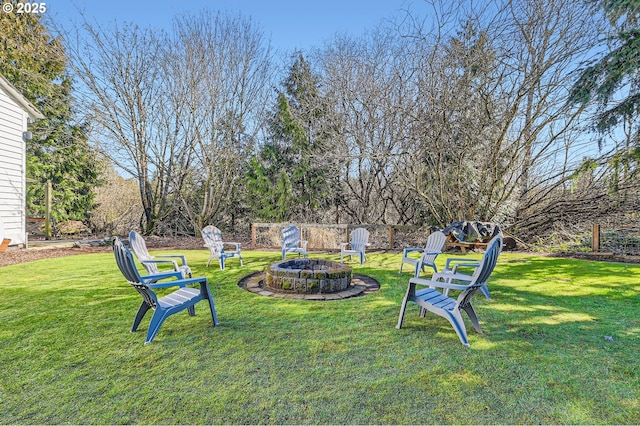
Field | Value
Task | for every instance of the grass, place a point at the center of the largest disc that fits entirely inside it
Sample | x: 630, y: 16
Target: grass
x: 67, y: 355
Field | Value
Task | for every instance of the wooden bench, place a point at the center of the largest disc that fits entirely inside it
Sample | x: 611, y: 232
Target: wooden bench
x: 463, y: 245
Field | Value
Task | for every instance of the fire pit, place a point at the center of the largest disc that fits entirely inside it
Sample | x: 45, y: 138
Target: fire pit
x: 308, y: 276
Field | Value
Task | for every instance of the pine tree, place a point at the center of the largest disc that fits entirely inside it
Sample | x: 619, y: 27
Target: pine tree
x: 288, y: 179
x: 613, y: 82
x: 35, y: 63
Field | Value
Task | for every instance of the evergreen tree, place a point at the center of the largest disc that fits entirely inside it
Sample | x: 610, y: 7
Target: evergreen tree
x: 613, y: 82
x: 35, y: 63
x: 289, y: 179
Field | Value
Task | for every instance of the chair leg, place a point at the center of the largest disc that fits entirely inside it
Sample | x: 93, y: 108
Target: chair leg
x: 221, y: 259
x: 210, y: 257
x: 204, y: 287
x: 142, y: 310
x: 458, y: 325
x: 240, y: 256
x: 361, y: 258
x: 403, y: 307
x: 485, y: 290
x: 473, y: 317
x: 156, y: 321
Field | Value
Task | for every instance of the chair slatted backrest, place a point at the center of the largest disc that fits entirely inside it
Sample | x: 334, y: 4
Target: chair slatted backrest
x: 291, y: 236
x: 359, y: 239
x: 126, y: 264
x: 483, y: 271
x: 212, y: 237
x: 435, y: 244
x: 139, y: 247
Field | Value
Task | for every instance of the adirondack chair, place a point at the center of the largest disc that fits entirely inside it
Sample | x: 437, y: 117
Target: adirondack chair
x: 184, y: 298
x: 291, y: 242
x: 435, y: 245
x: 358, y: 241
x: 150, y: 263
x: 4, y: 242
x: 438, y: 302
x: 454, y: 263
x: 212, y: 237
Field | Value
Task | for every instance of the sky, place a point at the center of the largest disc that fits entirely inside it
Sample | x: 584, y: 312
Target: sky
x: 290, y: 24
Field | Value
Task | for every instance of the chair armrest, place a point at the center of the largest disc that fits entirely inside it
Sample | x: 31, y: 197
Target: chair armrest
x: 180, y: 283
x: 175, y: 264
x: 178, y: 256
x: 440, y: 284
x: 412, y: 249
x: 467, y: 261
x: 160, y: 276
x: 451, y: 276
x: 233, y: 243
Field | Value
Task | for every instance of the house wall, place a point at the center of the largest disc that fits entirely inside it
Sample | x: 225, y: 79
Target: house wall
x: 13, y: 123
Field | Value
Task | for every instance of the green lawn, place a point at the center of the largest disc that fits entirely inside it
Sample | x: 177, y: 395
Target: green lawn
x: 67, y: 356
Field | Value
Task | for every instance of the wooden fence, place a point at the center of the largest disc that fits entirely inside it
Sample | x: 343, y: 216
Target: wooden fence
x: 328, y: 237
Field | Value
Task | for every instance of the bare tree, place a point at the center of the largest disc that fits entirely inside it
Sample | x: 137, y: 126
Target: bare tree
x: 494, y: 129
x: 220, y: 72
x: 369, y: 83
x: 177, y: 111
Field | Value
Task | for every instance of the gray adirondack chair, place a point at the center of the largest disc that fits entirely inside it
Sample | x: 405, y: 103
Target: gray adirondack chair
x: 292, y: 242
x: 438, y: 302
x: 453, y: 264
x: 150, y: 263
x: 358, y: 242
x: 212, y: 237
x: 428, y: 253
x: 184, y: 298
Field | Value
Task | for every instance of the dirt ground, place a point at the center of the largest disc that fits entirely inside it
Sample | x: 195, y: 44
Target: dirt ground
x: 15, y: 256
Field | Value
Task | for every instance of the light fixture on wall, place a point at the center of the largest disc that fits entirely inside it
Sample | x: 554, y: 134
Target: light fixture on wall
x: 27, y: 136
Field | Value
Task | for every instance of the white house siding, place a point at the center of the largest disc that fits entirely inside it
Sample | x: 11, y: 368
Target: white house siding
x: 13, y: 123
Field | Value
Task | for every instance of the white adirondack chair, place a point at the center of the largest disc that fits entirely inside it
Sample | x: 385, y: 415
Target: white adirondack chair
x: 358, y: 242
x: 150, y: 263
x: 438, y: 302
x: 292, y: 242
x: 453, y: 264
x: 212, y: 237
x: 428, y: 254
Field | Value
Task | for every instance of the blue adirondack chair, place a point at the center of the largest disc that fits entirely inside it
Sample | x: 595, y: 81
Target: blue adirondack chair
x: 358, y: 242
x: 184, y: 298
x: 150, y: 263
x: 212, y: 237
x: 428, y: 254
x: 438, y: 302
x: 292, y: 242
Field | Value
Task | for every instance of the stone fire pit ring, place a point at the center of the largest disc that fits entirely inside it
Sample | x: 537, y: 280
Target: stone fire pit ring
x: 308, y: 276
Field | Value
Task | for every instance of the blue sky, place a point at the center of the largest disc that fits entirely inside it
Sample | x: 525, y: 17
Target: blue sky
x: 291, y: 24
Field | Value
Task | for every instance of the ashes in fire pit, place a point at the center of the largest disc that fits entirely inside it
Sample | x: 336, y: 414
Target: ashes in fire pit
x: 308, y: 276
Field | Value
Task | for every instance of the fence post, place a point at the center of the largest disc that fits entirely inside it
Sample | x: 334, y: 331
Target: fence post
x: 391, y: 237
x: 47, y: 210
x: 595, y: 245
x: 253, y: 236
